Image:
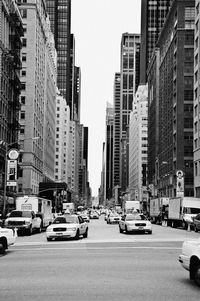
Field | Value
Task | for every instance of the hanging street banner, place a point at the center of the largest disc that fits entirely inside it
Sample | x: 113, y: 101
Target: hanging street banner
x: 12, y: 173
x: 179, y: 183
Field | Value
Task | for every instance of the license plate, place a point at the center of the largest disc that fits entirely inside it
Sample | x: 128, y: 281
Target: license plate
x: 140, y: 228
x: 59, y: 234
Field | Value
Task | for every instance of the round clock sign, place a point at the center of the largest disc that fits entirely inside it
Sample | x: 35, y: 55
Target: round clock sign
x: 13, y: 154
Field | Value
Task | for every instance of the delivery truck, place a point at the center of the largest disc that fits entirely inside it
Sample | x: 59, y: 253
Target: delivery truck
x: 158, y: 209
x: 131, y: 206
x: 68, y: 207
x: 40, y: 206
x: 182, y: 210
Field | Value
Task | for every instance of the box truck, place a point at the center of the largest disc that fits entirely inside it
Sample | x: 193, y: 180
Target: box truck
x: 158, y: 209
x: 41, y: 207
x: 182, y: 210
x: 131, y: 206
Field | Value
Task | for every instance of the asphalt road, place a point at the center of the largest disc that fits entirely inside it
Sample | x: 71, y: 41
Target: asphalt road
x: 105, y: 266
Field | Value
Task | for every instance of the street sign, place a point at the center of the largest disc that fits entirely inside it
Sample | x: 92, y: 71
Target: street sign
x: 11, y: 172
x: 11, y: 183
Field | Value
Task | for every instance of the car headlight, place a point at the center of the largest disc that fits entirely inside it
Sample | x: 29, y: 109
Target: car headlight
x: 49, y: 229
x: 71, y: 229
x: 129, y: 224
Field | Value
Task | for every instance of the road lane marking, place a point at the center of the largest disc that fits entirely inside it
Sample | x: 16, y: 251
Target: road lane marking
x: 95, y: 248
x: 84, y: 241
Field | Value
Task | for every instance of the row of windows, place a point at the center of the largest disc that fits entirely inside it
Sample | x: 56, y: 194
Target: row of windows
x: 197, y: 168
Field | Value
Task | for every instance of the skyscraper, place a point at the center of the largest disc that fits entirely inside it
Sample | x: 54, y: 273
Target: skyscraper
x: 109, y: 151
x: 116, y: 131
x: 153, y: 15
x: 130, y: 59
x: 176, y: 84
x: 38, y: 105
x: 60, y: 16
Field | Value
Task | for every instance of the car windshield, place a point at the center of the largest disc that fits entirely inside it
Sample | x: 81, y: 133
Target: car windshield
x: 193, y: 210
x: 133, y: 217
x: 114, y: 214
x: 20, y: 214
x: 66, y: 220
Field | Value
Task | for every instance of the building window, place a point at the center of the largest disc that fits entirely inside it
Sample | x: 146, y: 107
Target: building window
x: 195, y: 143
x: 23, y: 86
x: 24, y: 42
x: 23, y: 57
x: 22, y: 115
x: 24, y: 13
x: 23, y: 100
x: 196, y: 169
x: 22, y: 130
x: 23, y: 72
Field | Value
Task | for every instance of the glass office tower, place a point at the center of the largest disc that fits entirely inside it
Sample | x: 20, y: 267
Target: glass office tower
x: 153, y: 15
x: 60, y: 16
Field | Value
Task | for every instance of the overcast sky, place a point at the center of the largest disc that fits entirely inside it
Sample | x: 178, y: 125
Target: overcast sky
x: 98, y: 26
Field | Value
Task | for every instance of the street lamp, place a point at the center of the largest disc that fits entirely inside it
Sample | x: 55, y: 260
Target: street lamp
x: 6, y: 145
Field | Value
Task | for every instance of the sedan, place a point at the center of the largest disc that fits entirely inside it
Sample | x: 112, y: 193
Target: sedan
x: 94, y: 215
x: 67, y: 226
x: 135, y: 222
x: 196, y: 223
x: 113, y: 218
x: 85, y: 217
x: 190, y: 259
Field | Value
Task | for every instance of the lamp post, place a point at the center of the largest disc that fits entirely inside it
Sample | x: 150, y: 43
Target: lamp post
x: 6, y: 145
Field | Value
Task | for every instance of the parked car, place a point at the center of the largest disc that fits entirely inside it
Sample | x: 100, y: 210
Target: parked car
x: 190, y: 259
x: 7, y: 238
x: 113, y: 218
x: 23, y: 220
x: 67, y: 226
x: 196, y: 223
x: 135, y: 222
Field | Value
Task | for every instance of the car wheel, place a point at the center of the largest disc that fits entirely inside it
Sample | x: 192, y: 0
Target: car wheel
x: 3, y: 246
x: 195, y: 228
x: 30, y: 230
x: 197, y: 275
x: 49, y: 239
x: 126, y: 230
x: 184, y: 225
x: 150, y: 232
x: 120, y: 230
x: 77, y: 235
x: 85, y: 235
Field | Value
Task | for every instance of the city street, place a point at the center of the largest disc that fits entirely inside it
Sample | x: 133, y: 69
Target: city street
x: 105, y: 266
